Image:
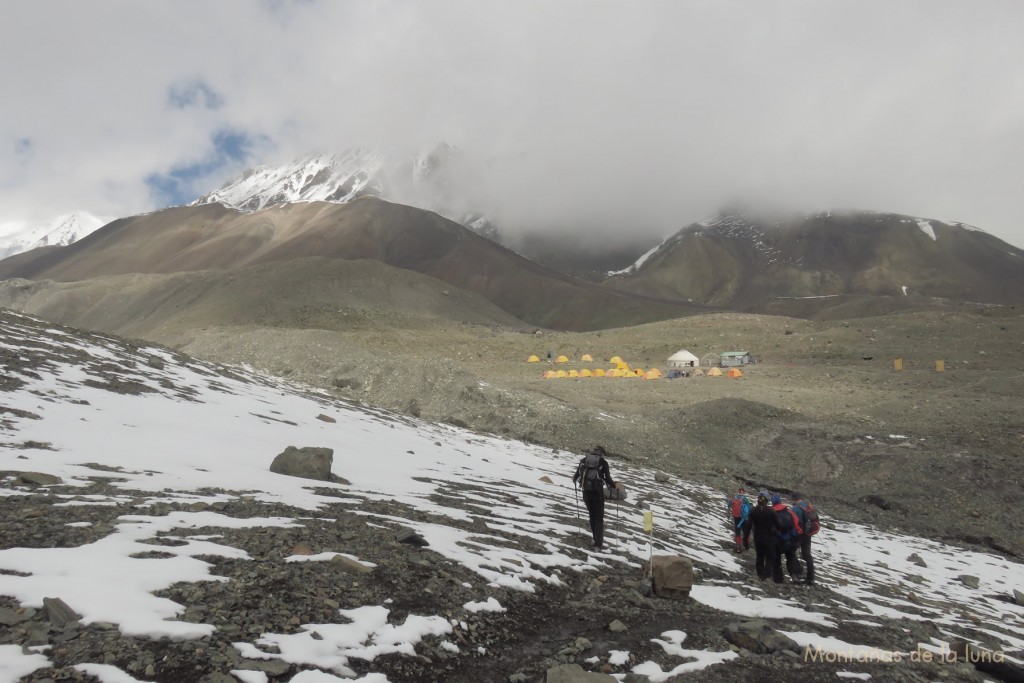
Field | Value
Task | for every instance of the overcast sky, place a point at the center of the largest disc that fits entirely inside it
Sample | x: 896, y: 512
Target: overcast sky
x: 632, y: 115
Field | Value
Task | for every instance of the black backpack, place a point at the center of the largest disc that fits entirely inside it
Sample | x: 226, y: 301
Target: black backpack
x: 590, y: 479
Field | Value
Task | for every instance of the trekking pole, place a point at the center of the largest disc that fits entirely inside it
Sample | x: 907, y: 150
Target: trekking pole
x: 577, y: 493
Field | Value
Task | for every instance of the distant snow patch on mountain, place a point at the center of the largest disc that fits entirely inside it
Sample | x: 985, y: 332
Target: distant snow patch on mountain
x: 926, y: 228
x: 639, y: 262
x: 20, y: 236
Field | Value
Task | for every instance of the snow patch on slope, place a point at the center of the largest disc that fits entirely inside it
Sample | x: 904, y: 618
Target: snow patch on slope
x: 926, y: 228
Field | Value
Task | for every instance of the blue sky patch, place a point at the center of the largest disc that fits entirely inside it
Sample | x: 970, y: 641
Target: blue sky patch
x: 232, y: 150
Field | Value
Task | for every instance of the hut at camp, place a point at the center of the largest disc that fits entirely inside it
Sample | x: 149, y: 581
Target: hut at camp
x: 683, y: 359
x: 732, y: 359
x: 710, y: 360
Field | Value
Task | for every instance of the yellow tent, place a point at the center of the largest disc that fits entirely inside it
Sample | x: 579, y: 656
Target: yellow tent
x: 714, y: 372
x: 587, y: 358
x: 561, y: 373
x: 562, y: 359
x: 734, y: 373
x: 652, y: 374
x: 533, y: 359
x: 586, y: 373
x: 613, y: 373
x: 550, y: 374
x: 615, y: 360
x: 574, y: 373
x: 639, y: 372
x: 696, y: 371
x: 622, y: 366
x: 656, y: 371
x: 599, y: 372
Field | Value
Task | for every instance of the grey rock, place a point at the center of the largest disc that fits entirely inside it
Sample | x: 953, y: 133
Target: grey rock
x: 155, y: 362
x: 10, y: 617
x: 326, y: 418
x: 574, y: 673
x: 636, y: 678
x: 917, y: 559
x: 518, y: 678
x: 307, y: 463
x: 758, y: 636
x: 661, y: 477
x: 409, y: 537
x: 1018, y: 597
x: 271, y: 667
x: 59, y: 613
x: 38, y: 636
x: 218, y: 678
x: 616, y: 626
x: 969, y: 581
x: 39, y: 479
x: 349, y: 566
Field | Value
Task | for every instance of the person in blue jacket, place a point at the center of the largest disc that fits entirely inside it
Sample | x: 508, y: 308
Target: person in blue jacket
x: 800, y: 507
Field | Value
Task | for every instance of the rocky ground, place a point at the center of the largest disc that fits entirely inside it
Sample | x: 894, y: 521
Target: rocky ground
x: 555, y: 626
x: 937, y: 454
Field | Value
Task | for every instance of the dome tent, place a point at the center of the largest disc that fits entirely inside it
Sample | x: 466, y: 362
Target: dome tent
x: 683, y: 359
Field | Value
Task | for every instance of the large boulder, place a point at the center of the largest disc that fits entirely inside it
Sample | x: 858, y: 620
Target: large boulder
x: 39, y: 479
x: 574, y: 673
x: 308, y: 463
x: 759, y: 637
x: 672, y: 576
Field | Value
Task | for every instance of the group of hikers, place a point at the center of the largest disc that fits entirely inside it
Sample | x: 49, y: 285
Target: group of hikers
x: 778, y: 529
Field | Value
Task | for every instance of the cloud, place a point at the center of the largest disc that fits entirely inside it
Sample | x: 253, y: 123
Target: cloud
x: 592, y: 116
x: 194, y: 94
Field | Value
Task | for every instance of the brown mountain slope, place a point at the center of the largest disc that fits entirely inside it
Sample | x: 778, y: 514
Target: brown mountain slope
x: 306, y: 293
x: 756, y: 264
x: 213, y: 237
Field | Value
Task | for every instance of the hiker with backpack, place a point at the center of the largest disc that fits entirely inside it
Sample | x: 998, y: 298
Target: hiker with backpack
x: 787, y: 540
x: 807, y: 518
x: 764, y: 524
x: 739, y: 510
x: 592, y: 474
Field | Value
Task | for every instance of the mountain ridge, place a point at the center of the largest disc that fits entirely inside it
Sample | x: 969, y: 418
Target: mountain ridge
x: 747, y: 263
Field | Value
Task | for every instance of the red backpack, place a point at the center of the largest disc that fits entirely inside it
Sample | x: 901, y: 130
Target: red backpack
x: 812, y: 524
x: 737, y: 507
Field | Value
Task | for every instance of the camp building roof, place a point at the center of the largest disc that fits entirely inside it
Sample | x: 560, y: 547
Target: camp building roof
x: 733, y: 353
x: 682, y: 354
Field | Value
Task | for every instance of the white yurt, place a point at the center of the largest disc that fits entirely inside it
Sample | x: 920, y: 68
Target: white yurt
x: 683, y: 359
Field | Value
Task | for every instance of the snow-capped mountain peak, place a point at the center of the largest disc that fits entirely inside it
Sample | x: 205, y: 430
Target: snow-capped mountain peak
x: 335, y: 178
x: 20, y: 236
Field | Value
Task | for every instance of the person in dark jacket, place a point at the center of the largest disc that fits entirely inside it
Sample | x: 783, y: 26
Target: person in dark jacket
x: 786, y: 537
x: 765, y: 525
x: 592, y: 474
x: 800, y: 508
